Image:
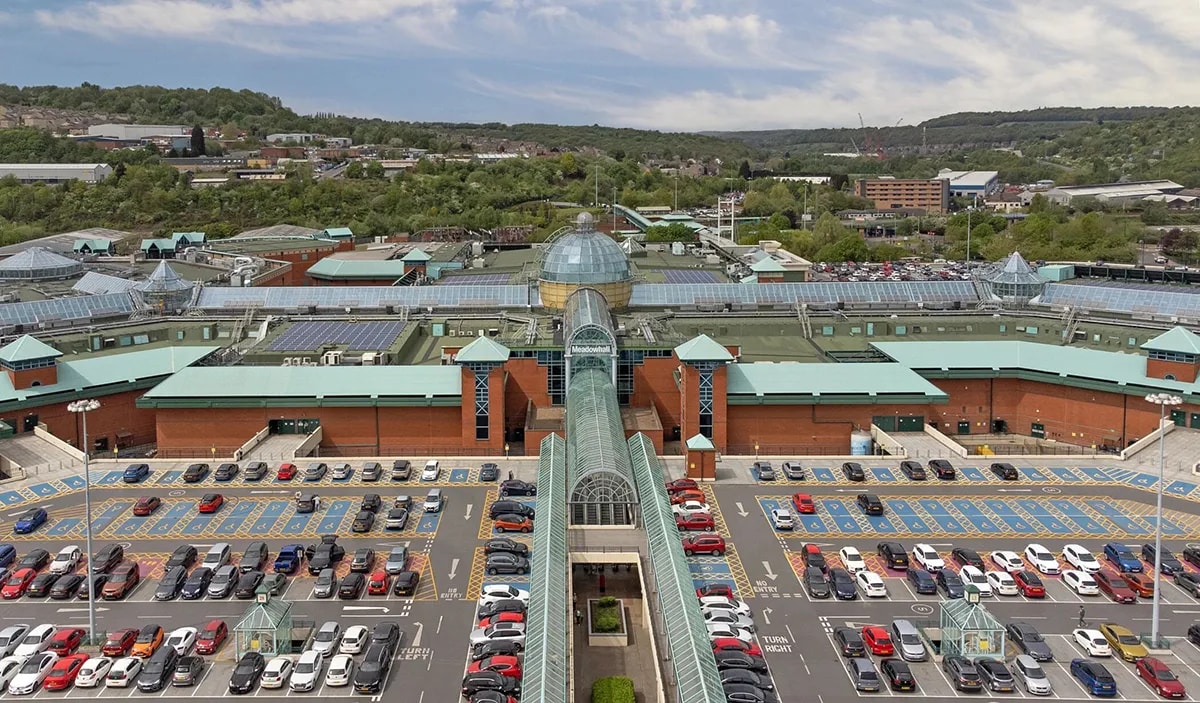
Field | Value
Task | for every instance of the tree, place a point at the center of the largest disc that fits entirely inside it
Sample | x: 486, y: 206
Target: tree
x: 198, y: 141
x: 1155, y: 213
x: 850, y: 247
x: 906, y: 227
x: 354, y: 170
x: 674, y: 232
x: 374, y: 170
x: 744, y: 170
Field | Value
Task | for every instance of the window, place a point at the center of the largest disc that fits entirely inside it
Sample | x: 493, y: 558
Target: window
x: 1172, y: 356
x: 901, y: 330
x: 179, y: 335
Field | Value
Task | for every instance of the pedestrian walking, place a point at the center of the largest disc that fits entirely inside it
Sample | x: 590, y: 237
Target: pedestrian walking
x: 510, y: 475
x: 578, y: 616
x: 1082, y: 613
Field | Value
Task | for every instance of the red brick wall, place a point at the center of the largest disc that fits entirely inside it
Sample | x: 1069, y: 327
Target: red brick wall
x: 526, y: 382
x: 1156, y: 368
x: 654, y: 384
x: 784, y: 429
x: 355, y: 282
x: 495, y: 441
x: 117, y: 415
x: 26, y: 378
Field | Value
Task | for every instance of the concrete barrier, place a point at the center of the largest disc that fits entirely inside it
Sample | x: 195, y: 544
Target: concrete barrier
x: 958, y: 449
x: 309, y: 444
x: 887, y: 444
x: 251, y: 443
x: 1167, y: 427
x: 71, y: 450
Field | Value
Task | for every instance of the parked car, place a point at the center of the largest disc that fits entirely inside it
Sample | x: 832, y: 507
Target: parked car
x: 195, y: 473
x: 943, y: 469
x: 1005, y: 471
x: 893, y: 555
x: 1159, y: 677
x: 913, y: 470
x: 793, y: 471
x: 1026, y: 638
x: 226, y: 472
x: 869, y: 504
x: 1122, y: 557
x: 135, y: 473
x: 853, y: 471
x: 962, y: 673
x: 255, y: 471
x: 1031, y: 675
x: 1094, y: 677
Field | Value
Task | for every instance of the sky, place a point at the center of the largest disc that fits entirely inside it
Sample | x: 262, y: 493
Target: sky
x: 678, y: 65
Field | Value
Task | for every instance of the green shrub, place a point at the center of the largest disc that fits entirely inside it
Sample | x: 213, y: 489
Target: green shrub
x: 606, y: 621
x: 613, y: 689
x: 607, y: 602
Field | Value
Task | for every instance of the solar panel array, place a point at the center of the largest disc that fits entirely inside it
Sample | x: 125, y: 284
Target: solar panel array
x: 84, y: 307
x: 356, y: 336
x: 338, y: 298
x: 481, y: 279
x: 1161, y: 301
x: 651, y: 295
x: 689, y: 276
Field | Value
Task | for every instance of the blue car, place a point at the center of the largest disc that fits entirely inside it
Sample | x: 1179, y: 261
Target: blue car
x: 289, y: 559
x: 1094, y: 677
x: 8, y: 554
x: 1122, y: 557
x: 921, y: 580
x: 135, y: 473
x: 30, y: 521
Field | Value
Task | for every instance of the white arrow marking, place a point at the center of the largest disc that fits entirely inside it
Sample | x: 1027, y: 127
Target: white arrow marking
x: 469, y: 507
x: 453, y: 568
x: 741, y: 510
x: 766, y: 614
x: 439, y: 627
x: 81, y: 610
x: 1016, y: 490
x: 770, y: 574
x: 364, y: 607
x: 858, y: 625
x: 417, y: 638
x: 259, y: 493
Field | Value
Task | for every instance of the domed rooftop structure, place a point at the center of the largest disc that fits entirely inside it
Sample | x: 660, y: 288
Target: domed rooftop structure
x: 166, y: 288
x: 38, y: 264
x: 1014, y: 279
x: 585, y: 257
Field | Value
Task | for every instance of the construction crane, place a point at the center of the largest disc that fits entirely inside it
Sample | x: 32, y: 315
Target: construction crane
x: 871, y: 145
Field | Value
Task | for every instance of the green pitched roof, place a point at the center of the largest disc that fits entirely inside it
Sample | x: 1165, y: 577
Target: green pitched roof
x: 702, y: 348
x: 160, y: 244
x: 341, y: 269
x: 338, y: 232
x: 120, y: 371
x: 192, y: 237
x: 1176, y: 339
x: 92, y: 244
x: 416, y: 255
x: 483, y: 349
x: 767, y: 265
x: 27, y: 348
x: 813, y: 380
x: 700, y: 443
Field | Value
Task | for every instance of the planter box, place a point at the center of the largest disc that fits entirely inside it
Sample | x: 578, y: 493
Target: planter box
x: 608, y: 639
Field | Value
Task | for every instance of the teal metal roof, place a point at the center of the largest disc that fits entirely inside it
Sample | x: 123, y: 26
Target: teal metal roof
x: 416, y: 255
x: 546, y: 622
x: 702, y: 348
x: 160, y: 244
x: 338, y: 233
x: 191, y: 237
x: 89, y: 373
x: 27, y: 348
x: 92, y: 244
x: 258, y: 386
x: 1176, y: 339
x: 483, y: 350
x: 332, y: 268
x: 587, y: 310
x: 700, y: 443
x: 692, y: 670
x: 767, y: 265
x: 801, y: 382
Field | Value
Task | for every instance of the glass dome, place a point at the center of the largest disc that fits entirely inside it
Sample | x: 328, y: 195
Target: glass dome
x: 585, y: 256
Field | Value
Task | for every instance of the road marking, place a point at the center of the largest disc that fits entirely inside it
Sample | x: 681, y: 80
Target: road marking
x: 789, y: 631
x: 453, y: 568
x: 770, y: 573
x: 439, y: 627
x: 470, y: 506
x: 417, y: 638
x: 363, y: 607
x: 741, y: 510
x: 766, y: 614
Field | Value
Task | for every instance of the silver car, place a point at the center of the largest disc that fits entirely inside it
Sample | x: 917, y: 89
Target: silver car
x: 326, y: 584
x: 1031, y: 675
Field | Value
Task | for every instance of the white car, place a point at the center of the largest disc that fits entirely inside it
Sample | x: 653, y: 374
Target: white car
x: 66, y: 560
x: 1080, y: 582
x: 1008, y: 561
x: 1080, y: 558
x: 928, y: 558
x: 782, y: 519
x: 852, y: 560
x: 32, y: 673
x: 35, y: 641
x: 122, y: 672
x: 973, y: 576
x: 307, y: 672
x: 10, y: 637
x: 717, y: 630
x: 732, y: 605
x: 354, y: 639
x: 492, y: 592
x: 1042, y: 559
x: 1092, y: 642
x: 341, y: 471
x: 1002, y: 583
x: 871, y: 584
x: 341, y: 670
x: 9, y: 666
x: 93, y: 672
x: 431, y: 472
x: 326, y: 639
x: 712, y: 617
x: 506, y: 631
x: 182, y: 639
x: 690, y: 507
x: 277, y: 672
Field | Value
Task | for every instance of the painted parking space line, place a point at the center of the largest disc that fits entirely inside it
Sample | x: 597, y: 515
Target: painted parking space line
x: 73, y: 483
x: 1078, y: 517
x: 109, y: 514
x: 941, y: 516
x: 11, y: 498
x: 333, y: 517
x: 235, y: 517
x: 1003, y: 511
x: 709, y: 568
x: 1042, y: 516
x: 43, y: 490
x: 1144, y: 480
x: 1180, y: 488
x: 109, y: 478
x: 130, y: 526
x: 841, y: 515
x: 167, y: 477
x: 823, y: 474
x: 883, y: 473
x: 64, y: 527
x: 907, y: 514
x: 972, y: 513
x: 167, y: 523
x: 1094, y: 473
x: 1032, y: 474
x: 882, y: 524
x: 271, y: 512
x: 199, y: 524
x: 972, y: 474
x: 1064, y: 474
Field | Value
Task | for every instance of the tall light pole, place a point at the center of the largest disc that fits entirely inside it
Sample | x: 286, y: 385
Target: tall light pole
x: 1162, y: 400
x: 83, y: 407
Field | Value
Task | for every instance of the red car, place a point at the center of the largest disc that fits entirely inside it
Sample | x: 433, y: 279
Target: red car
x: 210, y: 638
x: 688, y: 494
x: 1160, y: 677
x: 733, y: 644
x: 146, y: 505
x: 878, y: 641
x: 803, y: 503
x: 120, y: 642
x: 695, y: 522
x: 1140, y: 584
x: 66, y: 640
x: 680, y: 484
x: 211, y: 502
x: 1030, y: 584
x: 505, y: 664
x: 506, y: 616
x: 379, y: 583
x: 1114, y: 587
x: 704, y: 544
x: 17, y: 583
x: 286, y: 472
x: 715, y: 589
x: 63, y: 673
x: 512, y: 523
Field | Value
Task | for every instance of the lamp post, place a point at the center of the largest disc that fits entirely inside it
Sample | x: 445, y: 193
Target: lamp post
x: 83, y: 407
x: 1162, y: 400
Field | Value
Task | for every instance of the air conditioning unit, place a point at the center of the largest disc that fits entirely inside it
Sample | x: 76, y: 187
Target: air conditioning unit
x: 370, y: 359
x: 331, y: 358
x: 453, y: 333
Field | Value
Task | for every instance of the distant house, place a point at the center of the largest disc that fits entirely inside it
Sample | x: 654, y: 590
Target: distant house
x: 338, y: 233
x: 183, y: 240
x: 158, y: 248
x: 103, y: 247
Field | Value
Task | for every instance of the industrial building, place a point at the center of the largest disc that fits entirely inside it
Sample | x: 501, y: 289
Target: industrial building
x: 56, y: 173
x: 1113, y: 192
x: 971, y: 184
x: 138, y: 131
x: 931, y: 195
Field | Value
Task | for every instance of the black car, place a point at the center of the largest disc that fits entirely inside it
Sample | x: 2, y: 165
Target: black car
x: 1192, y: 556
x: 35, y: 559
x: 509, y: 507
x: 893, y: 554
x: 489, y: 697
x: 405, y: 583
x: 247, y: 672
x: 386, y: 633
x: 869, y: 504
x: 41, y: 585
x: 1187, y: 581
x: 745, y: 676
x: 843, y: 584
x: 853, y: 471
x: 898, y: 675
x: 93, y: 584
x: 66, y: 586
x: 922, y: 581
x: 187, y: 671
x: 506, y: 544
x: 477, y: 681
x: 1167, y: 561
x: 184, y: 556
x: 1193, y: 634
x: 171, y: 583
x: 745, y: 693
x: 505, y: 605
x: 325, y: 555
x: 515, y: 487
x: 1005, y: 471
x: 814, y: 557
x: 226, y: 472
x: 965, y: 556
x: 995, y: 675
x: 352, y: 586
x: 962, y: 673
x: 493, y: 648
x: 949, y: 583
x: 363, y: 521
x: 158, y: 669
x: 371, y: 673
x: 363, y: 561
x: 728, y: 659
x: 255, y: 471
x: 505, y: 563
x: 196, y: 584
x: 815, y: 582
x: 372, y: 502
x: 195, y: 473
x: 943, y: 469
x: 1027, y: 639
x: 247, y: 584
x: 793, y: 470
x: 913, y: 470
x: 489, y: 472
x: 850, y: 642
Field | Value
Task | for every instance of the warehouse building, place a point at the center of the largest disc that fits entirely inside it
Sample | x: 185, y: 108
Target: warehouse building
x: 56, y: 173
x: 138, y: 131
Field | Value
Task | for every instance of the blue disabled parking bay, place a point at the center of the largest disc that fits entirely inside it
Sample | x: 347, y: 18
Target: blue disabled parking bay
x: 1040, y: 513
x: 904, y: 511
x: 73, y: 482
x: 168, y: 522
x: 10, y: 498
x: 110, y: 478
x: 1132, y: 524
x: 168, y: 477
x: 709, y: 568
x: 332, y: 520
x: 841, y: 515
x: 823, y: 475
x: 1078, y: 517
x: 1029, y: 473
x: 232, y: 519
x: 105, y: 518
x: 883, y: 473
x: 972, y: 474
x: 460, y: 475
x: 940, y: 514
x: 65, y: 527
x: 1096, y: 474
x: 1004, y: 512
x: 1180, y: 488
x: 1064, y: 474
x: 974, y: 515
x: 428, y: 523
x: 43, y: 490
x: 272, y: 511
